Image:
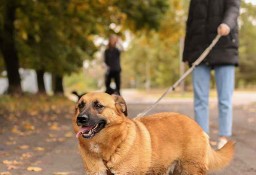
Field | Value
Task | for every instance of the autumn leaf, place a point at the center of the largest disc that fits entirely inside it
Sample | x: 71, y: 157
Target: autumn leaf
x: 61, y: 139
x: 36, y: 169
x: 28, y: 126
x: 24, y: 147
x: 54, y: 126
x: 5, y: 173
x: 69, y: 134
x: 61, y: 173
x: 12, y: 142
x: 26, y: 156
x: 39, y: 148
x: 34, y: 113
x: 15, y: 130
x: 52, y: 135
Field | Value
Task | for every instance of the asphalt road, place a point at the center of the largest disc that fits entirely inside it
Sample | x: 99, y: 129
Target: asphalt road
x: 62, y: 158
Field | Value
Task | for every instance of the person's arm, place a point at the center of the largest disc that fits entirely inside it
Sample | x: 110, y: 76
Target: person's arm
x: 230, y: 17
x: 119, y: 45
x: 190, y: 14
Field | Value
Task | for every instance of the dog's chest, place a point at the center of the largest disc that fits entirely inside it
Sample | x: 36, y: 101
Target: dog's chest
x: 94, y: 147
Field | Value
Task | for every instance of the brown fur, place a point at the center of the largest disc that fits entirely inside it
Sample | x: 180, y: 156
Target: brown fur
x: 147, y: 145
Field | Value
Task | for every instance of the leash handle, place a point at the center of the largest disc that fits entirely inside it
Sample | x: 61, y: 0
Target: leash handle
x: 172, y: 88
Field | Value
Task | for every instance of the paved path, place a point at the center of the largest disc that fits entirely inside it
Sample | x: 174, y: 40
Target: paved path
x: 135, y: 96
x: 63, y: 158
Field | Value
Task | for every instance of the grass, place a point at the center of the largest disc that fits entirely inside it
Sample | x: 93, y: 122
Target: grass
x: 79, y: 82
x: 30, y: 102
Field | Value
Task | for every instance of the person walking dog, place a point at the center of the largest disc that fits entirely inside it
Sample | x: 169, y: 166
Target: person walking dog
x: 206, y: 19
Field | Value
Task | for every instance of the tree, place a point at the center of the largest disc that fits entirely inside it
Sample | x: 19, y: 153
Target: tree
x: 247, y: 73
x: 56, y: 36
x: 47, y: 43
x: 141, y: 14
x: 153, y: 59
x: 8, y: 45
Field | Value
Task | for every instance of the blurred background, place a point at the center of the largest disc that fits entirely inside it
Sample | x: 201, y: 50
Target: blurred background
x: 50, y: 48
x: 55, y: 47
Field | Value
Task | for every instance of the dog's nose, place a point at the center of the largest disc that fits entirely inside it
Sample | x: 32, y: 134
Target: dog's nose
x: 82, y: 119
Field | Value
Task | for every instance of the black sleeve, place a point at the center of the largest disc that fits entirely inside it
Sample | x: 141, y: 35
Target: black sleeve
x: 105, y: 57
x: 231, y: 13
x: 190, y: 11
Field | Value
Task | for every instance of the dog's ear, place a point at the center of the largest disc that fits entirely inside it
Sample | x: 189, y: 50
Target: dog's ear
x: 120, y: 104
x: 78, y: 95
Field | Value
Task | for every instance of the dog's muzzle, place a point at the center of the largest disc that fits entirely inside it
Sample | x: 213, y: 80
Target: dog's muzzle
x: 89, y: 125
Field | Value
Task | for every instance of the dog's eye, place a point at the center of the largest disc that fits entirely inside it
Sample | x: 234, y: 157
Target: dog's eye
x: 81, y: 105
x: 98, y: 105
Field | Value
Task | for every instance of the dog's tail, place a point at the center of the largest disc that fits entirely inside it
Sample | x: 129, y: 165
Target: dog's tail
x: 218, y: 159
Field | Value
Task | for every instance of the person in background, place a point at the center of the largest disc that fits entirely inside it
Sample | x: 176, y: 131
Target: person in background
x: 112, y: 60
x: 206, y: 19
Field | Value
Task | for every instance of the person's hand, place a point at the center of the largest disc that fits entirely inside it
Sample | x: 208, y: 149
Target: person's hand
x: 223, y: 29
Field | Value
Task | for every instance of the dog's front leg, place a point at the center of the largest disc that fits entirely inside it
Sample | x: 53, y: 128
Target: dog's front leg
x: 93, y: 165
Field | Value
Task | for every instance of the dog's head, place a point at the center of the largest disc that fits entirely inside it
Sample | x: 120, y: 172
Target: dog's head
x: 94, y: 111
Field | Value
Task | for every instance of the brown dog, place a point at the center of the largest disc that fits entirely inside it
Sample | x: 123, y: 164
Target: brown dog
x: 111, y: 142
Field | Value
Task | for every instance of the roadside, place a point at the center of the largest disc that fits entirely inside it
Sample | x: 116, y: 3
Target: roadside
x: 32, y: 127
x: 136, y: 96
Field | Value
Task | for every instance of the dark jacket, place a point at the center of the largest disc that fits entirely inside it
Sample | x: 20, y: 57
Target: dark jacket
x: 203, y: 20
x: 112, y: 59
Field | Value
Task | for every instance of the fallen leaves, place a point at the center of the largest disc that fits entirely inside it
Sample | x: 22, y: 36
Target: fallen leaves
x: 11, y: 164
x: 5, y: 173
x: 32, y: 127
x: 11, y: 142
x: 17, y: 131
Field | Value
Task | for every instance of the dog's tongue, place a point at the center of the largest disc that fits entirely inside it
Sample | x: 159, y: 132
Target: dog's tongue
x: 83, y: 129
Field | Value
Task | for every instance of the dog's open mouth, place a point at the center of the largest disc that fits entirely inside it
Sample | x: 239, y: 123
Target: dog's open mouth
x: 90, y: 131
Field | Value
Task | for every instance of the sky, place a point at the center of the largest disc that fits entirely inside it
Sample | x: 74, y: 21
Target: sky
x: 252, y: 1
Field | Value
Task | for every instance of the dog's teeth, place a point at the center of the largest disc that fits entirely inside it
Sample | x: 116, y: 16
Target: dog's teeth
x: 95, y: 127
x: 90, y: 132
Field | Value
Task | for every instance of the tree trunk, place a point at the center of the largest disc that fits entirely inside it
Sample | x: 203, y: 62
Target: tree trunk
x: 40, y: 81
x: 58, y: 85
x: 7, y: 46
